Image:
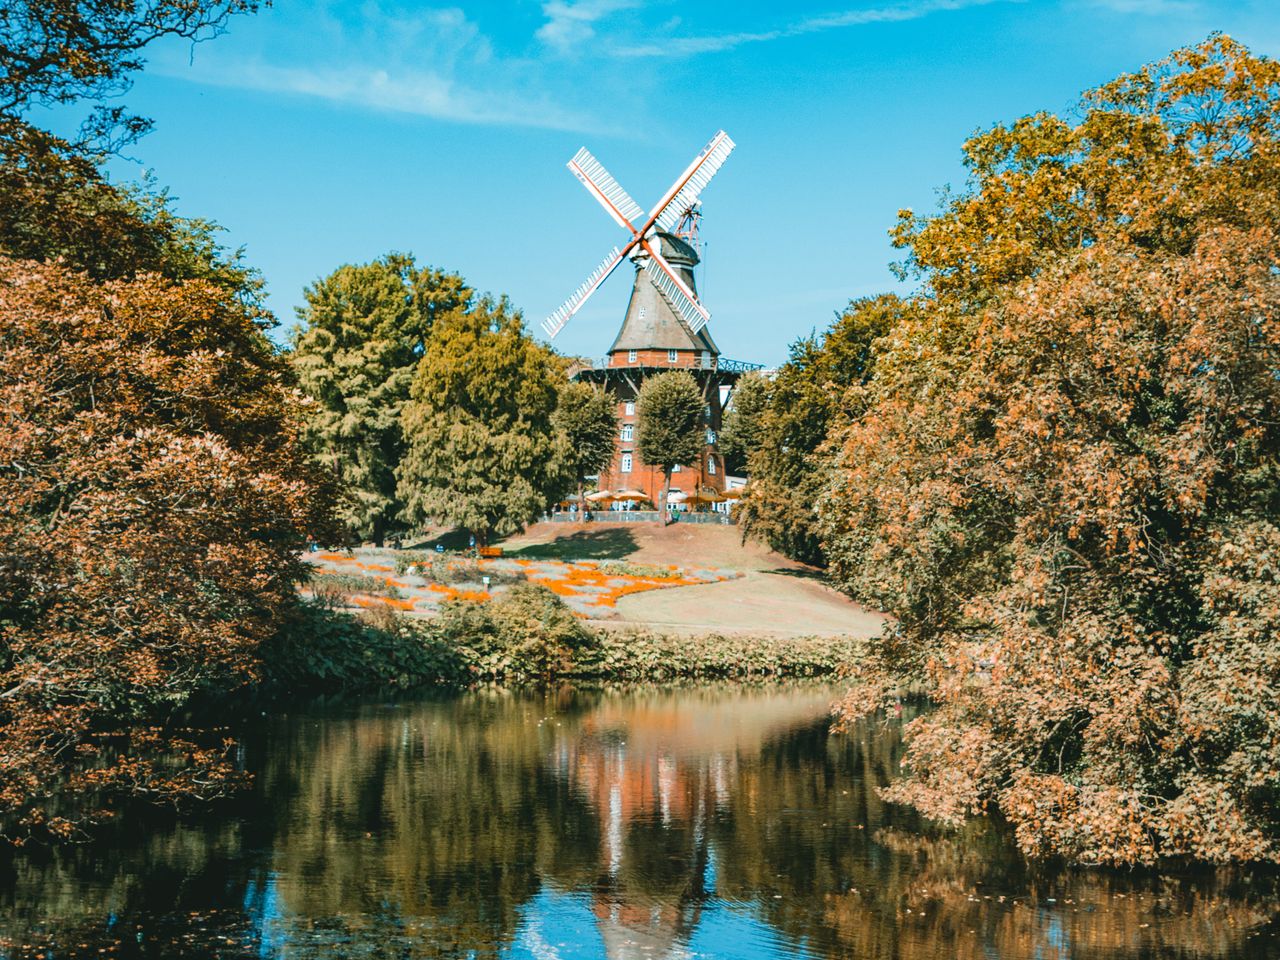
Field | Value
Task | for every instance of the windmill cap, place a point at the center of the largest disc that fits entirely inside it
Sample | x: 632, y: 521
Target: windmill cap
x: 676, y: 251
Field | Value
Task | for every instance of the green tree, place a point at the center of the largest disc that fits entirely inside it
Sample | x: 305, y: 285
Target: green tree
x: 362, y: 333
x: 669, y: 428
x: 588, y: 419
x: 1066, y: 483
x: 815, y: 392
x: 483, y: 450
x: 740, y: 431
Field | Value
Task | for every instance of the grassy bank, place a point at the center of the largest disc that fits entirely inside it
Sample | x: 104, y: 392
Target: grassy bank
x: 527, y: 635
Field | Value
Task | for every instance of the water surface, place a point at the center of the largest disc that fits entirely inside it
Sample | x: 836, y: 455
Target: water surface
x: 698, y: 822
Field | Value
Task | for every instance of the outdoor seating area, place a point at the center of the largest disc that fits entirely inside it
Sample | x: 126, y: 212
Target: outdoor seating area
x: 705, y: 505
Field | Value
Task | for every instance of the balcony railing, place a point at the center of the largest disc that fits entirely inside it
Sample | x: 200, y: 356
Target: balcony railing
x: 699, y: 363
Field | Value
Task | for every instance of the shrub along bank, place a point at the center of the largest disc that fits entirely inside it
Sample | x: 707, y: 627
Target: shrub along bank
x: 524, y: 635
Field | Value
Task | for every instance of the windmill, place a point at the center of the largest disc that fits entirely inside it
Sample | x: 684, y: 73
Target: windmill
x: 676, y: 206
x: 665, y: 325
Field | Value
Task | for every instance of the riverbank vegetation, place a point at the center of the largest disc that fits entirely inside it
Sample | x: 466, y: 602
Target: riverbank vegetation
x: 1062, y: 475
x: 522, y: 635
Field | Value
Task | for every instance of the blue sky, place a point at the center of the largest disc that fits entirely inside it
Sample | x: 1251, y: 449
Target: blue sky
x: 324, y: 133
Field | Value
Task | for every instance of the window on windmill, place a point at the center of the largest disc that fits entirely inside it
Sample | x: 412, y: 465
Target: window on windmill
x: 711, y: 436
x: 706, y: 359
x: 711, y: 465
x: 676, y: 468
x: 630, y: 408
x: 626, y: 463
x: 627, y: 431
x: 631, y: 356
x: 671, y: 356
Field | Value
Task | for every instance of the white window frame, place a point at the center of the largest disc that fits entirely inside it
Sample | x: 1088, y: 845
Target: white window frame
x: 630, y: 408
x: 711, y: 466
x: 627, y: 431
x: 625, y: 465
x: 631, y: 356
x: 676, y: 468
x: 673, y: 356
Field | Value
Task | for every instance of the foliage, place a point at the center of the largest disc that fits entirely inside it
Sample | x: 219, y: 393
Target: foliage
x: 813, y: 394
x: 155, y: 498
x: 320, y: 649
x: 56, y: 205
x: 524, y: 633
x: 67, y: 51
x: 626, y: 568
x: 446, y: 568
x: 331, y: 589
x: 588, y: 418
x: 740, y: 431
x: 483, y: 452
x: 362, y: 333
x: 669, y: 428
x: 648, y: 655
x: 1065, y: 483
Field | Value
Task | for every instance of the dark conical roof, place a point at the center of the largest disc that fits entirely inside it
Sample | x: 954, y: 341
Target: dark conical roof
x: 651, y: 323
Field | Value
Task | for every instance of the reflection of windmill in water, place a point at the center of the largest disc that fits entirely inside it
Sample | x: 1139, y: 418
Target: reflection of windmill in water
x: 657, y: 775
x: 665, y: 323
x: 655, y: 856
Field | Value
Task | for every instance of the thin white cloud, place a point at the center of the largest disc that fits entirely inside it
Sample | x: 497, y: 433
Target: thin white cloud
x: 1148, y: 8
x: 715, y: 43
x: 433, y: 63
x: 420, y: 93
x: 571, y: 23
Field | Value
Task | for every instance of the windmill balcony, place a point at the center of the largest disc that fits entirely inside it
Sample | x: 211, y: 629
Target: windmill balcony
x: 696, y: 362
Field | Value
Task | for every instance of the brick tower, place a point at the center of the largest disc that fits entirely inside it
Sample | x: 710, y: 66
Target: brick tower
x: 652, y: 340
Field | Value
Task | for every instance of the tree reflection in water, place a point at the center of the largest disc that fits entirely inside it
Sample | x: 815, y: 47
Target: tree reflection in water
x: 718, y: 821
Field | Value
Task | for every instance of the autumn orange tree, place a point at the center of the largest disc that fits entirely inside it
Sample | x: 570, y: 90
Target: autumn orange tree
x: 154, y: 497
x: 1066, y: 486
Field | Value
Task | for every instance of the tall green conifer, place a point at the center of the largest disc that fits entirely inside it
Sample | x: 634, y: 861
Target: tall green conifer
x: 362, y: 333
x: 483, y: 452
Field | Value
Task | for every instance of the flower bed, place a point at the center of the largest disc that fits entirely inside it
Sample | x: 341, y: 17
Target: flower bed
x: 420, y: 583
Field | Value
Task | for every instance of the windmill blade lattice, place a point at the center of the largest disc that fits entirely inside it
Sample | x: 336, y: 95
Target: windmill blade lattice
x: 691, y: 313
x: 700, y: 172
x: 554, y: 323
x: 616, y: 201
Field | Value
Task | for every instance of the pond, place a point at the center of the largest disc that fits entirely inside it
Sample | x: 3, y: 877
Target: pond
x: 721, y: 821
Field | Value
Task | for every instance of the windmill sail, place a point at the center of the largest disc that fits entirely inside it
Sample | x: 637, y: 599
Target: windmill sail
x: 616, y: 201
x: 555, y: 323
x: 691, y: 313
x: 628, y: 214
x: 684, y: 192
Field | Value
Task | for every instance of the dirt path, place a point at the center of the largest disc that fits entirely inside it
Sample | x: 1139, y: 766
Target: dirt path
x: 757, y: 603
x: 774, y: 595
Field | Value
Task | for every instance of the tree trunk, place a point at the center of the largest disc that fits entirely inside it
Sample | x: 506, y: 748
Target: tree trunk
x: 582, y: 503
x: 663, y: 509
